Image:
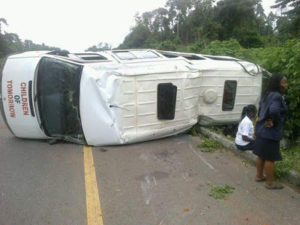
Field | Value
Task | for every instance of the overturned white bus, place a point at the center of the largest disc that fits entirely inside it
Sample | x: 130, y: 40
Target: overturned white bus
x: 122, y: 96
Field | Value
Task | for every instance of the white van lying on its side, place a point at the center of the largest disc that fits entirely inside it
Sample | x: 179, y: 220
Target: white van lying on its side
x: 121, y: 96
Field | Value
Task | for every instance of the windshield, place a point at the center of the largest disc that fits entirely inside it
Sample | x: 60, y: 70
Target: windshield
x: 58, y: 85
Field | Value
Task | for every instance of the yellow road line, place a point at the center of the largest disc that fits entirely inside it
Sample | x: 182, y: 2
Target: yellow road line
x: 93, y: 206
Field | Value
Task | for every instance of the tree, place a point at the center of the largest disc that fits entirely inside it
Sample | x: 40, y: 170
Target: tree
x: 192, y: 24
x: 137, y: 38
x: 292, y: 17
x: 178, y: 12
x: 100, y: 47
x: 200, y: 22
x: 238, y: 19
x: 11, y: 43
x: 2, y: 21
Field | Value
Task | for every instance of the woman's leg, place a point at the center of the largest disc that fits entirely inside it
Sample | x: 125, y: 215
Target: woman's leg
x: 269, y: 168
x: 260, y: 164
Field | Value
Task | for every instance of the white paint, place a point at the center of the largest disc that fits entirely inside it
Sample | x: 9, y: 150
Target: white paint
x: 161, y: 222
x: 147, y: 186
x: 154, y: 180
x: 201, y: 158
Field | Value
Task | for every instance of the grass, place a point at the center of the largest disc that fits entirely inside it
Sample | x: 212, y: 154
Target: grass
x: 291, y: 161
x: 228, y: 132
x: 291, y: 155
x: 193, y: 131
x: 220, y: 192
x: 208, y: 144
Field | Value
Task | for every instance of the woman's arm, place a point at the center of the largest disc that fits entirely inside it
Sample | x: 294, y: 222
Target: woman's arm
x: 247, y: 131
x: 274, y: 109
x: 247, y: 138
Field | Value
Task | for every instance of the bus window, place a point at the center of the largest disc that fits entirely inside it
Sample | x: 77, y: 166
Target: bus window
x: 229, y: 95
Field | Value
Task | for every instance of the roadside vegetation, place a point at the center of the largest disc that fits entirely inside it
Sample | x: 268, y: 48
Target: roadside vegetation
x: 11, y: 43
x: 220, y: 192
x: 291, y: 161
x: 290, y: 153
x: 208, y: 144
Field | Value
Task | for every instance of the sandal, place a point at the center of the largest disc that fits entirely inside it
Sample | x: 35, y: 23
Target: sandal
x: 260, y: 180
x: 274, y: 186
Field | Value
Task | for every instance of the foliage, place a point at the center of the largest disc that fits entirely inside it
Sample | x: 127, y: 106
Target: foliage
x: 289, y: 23
x: 166, y: 45
x: 289, y: 64
x: 229, y: 48
x: 208, y: 144
x: 195, y: 23
x: 238, y: 20
x: 11, y: 43
x: 100, y: 47
x: 193, y: 131
x: 285, y: 59
x: 291, y: 158
x: 137, y: 38
x: 220, y: 192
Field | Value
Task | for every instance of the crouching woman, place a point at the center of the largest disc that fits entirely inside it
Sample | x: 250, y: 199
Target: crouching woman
x: 244, y: 139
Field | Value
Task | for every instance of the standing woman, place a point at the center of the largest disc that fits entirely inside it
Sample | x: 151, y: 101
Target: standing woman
x: 269, y: 130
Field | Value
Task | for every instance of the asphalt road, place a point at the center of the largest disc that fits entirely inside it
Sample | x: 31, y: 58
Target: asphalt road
x: 162, y: 182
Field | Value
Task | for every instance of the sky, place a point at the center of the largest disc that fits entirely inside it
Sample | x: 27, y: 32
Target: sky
x: 76, y: 25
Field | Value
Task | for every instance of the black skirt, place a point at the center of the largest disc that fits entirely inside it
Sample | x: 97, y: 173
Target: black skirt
x: 267, y: 149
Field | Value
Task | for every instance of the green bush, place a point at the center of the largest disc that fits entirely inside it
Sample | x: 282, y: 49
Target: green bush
x: 286, y: 60
x: 193, y: 131
x: 282, y: 59
x: 291, y: 159
x: 228, y: 48
x: 167, y: 45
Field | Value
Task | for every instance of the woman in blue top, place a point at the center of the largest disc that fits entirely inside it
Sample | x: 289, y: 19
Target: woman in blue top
x: 269, y: 129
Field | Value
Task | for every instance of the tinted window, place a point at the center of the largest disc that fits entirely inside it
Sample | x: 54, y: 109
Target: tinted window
x: 166, y: 101
x: 229, y: 95
x: 58, y: 85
